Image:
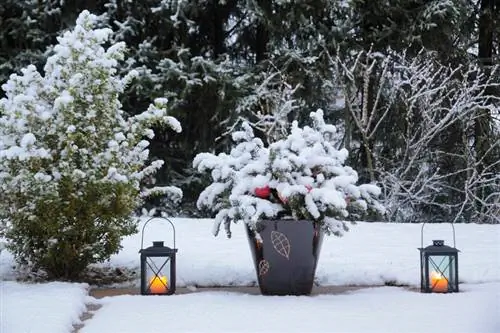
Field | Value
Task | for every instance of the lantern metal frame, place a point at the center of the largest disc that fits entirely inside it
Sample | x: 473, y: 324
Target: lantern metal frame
x: 438, y: 248
x: 158, y: 250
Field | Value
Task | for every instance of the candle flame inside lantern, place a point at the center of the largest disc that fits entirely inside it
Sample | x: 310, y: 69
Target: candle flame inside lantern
x: 158, y: 284
x: 438, y: 282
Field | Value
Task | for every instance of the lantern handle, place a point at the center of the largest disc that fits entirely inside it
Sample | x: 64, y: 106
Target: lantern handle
x: 422, y: 235
x: 156, y: 217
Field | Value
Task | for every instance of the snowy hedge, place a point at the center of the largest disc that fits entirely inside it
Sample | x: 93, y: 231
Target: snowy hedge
x: 71, y: 164
x: 301, y: 176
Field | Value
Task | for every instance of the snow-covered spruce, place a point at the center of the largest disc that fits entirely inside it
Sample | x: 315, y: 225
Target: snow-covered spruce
x: 302, y: 176
x: 71, y: 163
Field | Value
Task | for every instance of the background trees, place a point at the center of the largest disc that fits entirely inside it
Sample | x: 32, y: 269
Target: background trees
x: 431, y: 140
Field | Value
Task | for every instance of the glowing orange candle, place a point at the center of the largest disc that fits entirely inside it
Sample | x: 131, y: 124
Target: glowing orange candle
x: 158, y: 284
x: 438, y: 282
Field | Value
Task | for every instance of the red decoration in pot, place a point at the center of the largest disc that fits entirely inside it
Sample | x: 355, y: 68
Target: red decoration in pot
x: 262, y: 192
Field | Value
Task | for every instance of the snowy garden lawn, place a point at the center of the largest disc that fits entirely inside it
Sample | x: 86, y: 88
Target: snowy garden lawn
x: 371, y: 254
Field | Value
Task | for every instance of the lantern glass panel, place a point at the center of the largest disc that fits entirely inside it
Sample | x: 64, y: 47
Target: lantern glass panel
x: 440, y: 272
x: 158, y: 277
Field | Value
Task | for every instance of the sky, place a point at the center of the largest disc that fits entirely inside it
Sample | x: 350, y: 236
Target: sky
x: 369, y: 255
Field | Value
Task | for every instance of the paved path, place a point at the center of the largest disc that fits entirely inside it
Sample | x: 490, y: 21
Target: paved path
x: 344, y: 305
x: 317, y: 290
x: 109, y: 292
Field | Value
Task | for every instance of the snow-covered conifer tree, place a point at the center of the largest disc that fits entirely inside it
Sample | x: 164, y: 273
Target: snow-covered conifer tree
x: 301, y: 176
x: 71, y: 163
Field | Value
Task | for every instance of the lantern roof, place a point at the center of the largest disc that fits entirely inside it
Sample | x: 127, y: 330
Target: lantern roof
x: 438, y: 247
x: 157, y: 249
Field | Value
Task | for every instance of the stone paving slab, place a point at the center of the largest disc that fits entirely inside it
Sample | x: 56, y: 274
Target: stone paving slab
x: 252, y: 290
x: 317, y: 290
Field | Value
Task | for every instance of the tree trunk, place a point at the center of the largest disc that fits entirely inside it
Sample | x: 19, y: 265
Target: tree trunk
x: 486, y: 27
x: 368, y: 143
x: 262, y: 33
x: 482, y: 124
x: 218, y: 36
x: 368, y: 153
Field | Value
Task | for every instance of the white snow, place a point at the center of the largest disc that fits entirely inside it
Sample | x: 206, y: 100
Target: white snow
x: 384, y: 310
x: 28, y: 140
x: 286, y: 165
x: 370, y: 254
x: 40, y: 308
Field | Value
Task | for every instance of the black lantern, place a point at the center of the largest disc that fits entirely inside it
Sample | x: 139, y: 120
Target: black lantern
x: 157, y: 266
x: 438, y: 266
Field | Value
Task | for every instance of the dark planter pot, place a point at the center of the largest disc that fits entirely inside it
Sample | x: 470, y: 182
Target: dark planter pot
x: 285, y: 255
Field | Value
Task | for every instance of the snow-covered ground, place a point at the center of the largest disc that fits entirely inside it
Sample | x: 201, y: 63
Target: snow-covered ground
x: 41, y: 308
x: 383, y: 310
x: 370, y: 254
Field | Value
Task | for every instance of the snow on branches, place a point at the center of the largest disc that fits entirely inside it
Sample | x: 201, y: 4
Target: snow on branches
x: 301, y: 176
x: 67, y: 125
x: 425, y: 116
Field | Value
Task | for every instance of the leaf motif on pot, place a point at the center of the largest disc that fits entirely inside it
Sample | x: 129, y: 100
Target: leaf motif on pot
x: 263, y: 267
x: 280, y: 243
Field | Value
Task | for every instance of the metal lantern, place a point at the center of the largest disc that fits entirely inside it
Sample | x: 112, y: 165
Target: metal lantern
x: 157, y: 266
x: 438, y: 266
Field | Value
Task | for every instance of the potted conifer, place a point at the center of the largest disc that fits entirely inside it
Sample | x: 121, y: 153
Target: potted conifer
x: 289, y: 194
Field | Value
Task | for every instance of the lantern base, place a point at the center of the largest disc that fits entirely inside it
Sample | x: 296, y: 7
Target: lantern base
x: 168, y: 293
x: 432, y: 291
